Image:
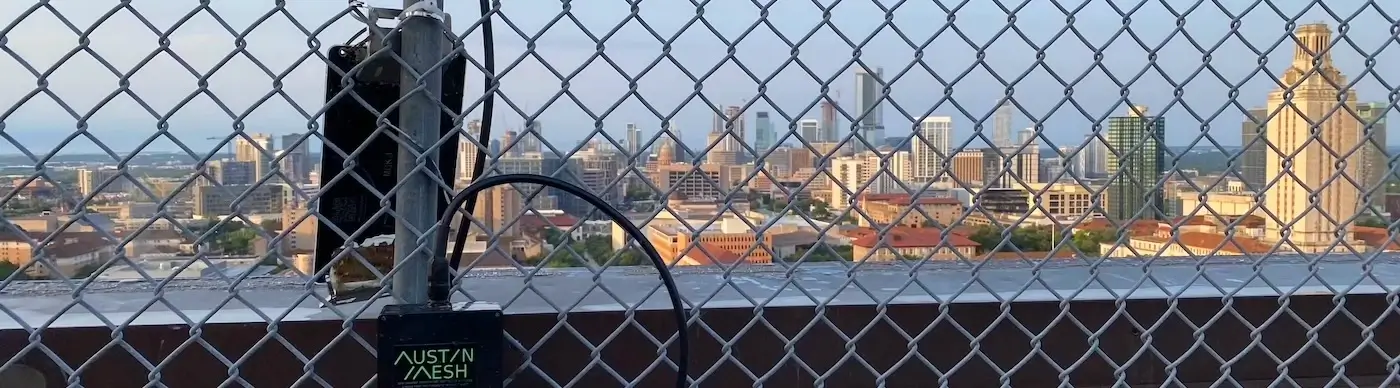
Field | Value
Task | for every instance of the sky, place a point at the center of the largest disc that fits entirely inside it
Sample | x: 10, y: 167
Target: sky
x: 941, y: 58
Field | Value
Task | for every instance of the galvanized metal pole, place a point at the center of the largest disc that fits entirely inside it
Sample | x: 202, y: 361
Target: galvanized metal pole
x: 421, y: 46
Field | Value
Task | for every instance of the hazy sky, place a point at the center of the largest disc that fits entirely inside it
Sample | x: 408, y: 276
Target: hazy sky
x: 959, y: 84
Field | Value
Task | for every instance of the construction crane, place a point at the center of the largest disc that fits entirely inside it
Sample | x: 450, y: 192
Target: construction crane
x: 229, y: 147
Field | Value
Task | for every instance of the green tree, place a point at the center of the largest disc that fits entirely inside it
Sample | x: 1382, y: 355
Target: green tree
x: 6, y: 269
x: 988, y: 237
x: 1088, y: 240
x: 821, y: 252
x: 821, y: 210
x: 239, y: 242
x: 599, y: 248
x: 555, y: 237
x: 1031, y: 239
x: 564, y: 259
x: 640, y: 193
x: 631, y: 257
x: 805, y: 205
x: 234, y: 238
x: 558, y: 258
x: 271, y: 226
x: 777, y: 205
x: 1025, y: 239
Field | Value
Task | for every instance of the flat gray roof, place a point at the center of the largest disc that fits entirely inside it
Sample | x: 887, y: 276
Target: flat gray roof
x: 36, y: 302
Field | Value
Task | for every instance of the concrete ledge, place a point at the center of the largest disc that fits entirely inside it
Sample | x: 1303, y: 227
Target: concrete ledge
x: 562, y: 357
x: 1145, y: 325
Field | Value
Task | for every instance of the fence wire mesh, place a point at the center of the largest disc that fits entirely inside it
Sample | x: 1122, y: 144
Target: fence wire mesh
x: 166, y: 149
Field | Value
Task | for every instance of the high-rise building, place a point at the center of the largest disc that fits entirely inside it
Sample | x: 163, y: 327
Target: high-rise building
x: 716, y: 137
x: 533, y: 138
x: 1025, y: 163
x: 1140, y: 164
x: 829, y: 123
x: 869, y: 109
x: 247, y: 150
x: 724, y: 151
x: 232, y: 172
x: 1253, y: 158
x: 996, y: 173
x: 670, y: 145
x: 1001, y: 125
x: 1051, y: 168
x: 634, y: 140
x: 89, y: 180
x: 966, y: 168
x: 508, y: 140
x: 1081, y: 165
x: 214, y: 201
x: 928, y: 153
x: 546, y: 163
x: 1310, y: 131
x: 763, y: 137
x: 779, y: 162
x: 598, y: 169
x: 849, y: 174
x: 810, y: 130
x: 466, y: 153
x: 739, y: 135
x: 296, y: 164
x: 698, y: 182
x: 886, y: 171
x: 1375, y: 167
x: 1069, y: 163
x: 1095, y: 157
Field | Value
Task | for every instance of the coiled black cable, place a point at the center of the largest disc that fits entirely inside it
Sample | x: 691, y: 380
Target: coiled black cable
x: 440, y: 278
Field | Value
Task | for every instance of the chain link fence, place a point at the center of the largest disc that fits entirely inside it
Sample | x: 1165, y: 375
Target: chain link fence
x: 777, y: 153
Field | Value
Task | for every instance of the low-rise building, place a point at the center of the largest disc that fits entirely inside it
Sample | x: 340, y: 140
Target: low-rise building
x: 154, y: 242
x: 1232, y: 236
x: 1218, y: 202
x: 70, y: 252
x: 672, y: 238
x: 905, y: 243
x: 890, y: 209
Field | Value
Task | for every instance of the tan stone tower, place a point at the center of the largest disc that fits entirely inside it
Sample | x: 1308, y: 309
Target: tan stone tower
x: 1311, y: 106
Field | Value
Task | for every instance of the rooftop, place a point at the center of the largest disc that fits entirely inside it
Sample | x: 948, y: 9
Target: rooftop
x: 908, y: 237
x: 907, y: 199
x: 37, y: 301
x: 67, y: 244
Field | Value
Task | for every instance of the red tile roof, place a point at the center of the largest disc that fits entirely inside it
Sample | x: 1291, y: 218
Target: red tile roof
x: 1198, y: 220
x: 707, y: 253
x: 1247, y: 221
x: 907, y: 237
x: 1032, y: 256
x: 1376, y: 237
x: 534, y: 222
x: 1136, y: 228
x: 1204, y: 240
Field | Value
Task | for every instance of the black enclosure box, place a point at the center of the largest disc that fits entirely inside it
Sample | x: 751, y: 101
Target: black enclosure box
x: 422, y: 346
x: 347, y: 202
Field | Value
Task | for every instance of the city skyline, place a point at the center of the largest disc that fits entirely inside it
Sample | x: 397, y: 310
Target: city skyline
x: 914, y: 91
x: 1013, y: 181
